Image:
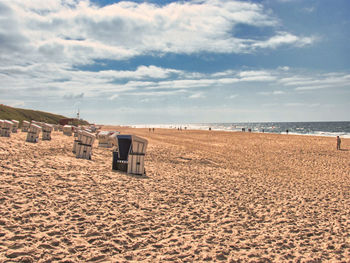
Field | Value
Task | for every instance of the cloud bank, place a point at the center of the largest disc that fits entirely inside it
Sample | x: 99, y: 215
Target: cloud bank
x: 77, y: 32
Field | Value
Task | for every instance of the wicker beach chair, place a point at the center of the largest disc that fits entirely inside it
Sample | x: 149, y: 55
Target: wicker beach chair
x: 33, y: 133
x: 129, y: 155
x: 67, y: 130
x: 84, y: 147
x: 47, y: 129
x: 25, y: 126
x: 6, y: 128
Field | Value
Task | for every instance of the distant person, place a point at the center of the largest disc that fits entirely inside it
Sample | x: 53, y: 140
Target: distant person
x: 243, y: 129
x: 338, y: 143
x: 153, y: 129
x: 149, y: 129
x: 287, y: 131
x: 209, y: 128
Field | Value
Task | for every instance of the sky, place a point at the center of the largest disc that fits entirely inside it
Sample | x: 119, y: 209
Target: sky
x: 165, y: 62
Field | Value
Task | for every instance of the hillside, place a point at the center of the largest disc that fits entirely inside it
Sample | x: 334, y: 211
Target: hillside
x: 11, y: 113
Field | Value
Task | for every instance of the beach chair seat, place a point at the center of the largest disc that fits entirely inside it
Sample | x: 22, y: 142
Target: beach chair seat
x: 129, y: 155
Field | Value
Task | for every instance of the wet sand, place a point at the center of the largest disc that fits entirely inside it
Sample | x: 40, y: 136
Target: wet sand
x: 207, y: 196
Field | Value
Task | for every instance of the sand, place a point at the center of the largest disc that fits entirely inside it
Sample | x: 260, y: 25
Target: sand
x: 207, y: 196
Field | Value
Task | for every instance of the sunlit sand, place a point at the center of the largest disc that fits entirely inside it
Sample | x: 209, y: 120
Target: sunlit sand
x: 206, y: 196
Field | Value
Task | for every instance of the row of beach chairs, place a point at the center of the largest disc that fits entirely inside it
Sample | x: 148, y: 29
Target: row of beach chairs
x: 128, y: 150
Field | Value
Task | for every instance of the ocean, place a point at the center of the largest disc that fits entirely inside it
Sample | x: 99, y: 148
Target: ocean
x: 336, y: 128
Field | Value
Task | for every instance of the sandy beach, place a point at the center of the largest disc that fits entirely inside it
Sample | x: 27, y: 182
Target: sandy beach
x: 207, y: 196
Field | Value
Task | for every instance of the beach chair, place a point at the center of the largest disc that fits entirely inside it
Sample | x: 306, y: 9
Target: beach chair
x: 47, y: 129
x: 15, y: 126
x: 60, y: 127
x: 92, y: 128
x: 33, y: 133
x: 25, y: 126
x: 129, y: 155
x: 103, y: 138
x: 84, y: 147
x: 6, y: 128
x: 67, y: 130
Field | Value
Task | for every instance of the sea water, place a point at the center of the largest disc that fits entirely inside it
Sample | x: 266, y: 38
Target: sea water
x: 336, y: 128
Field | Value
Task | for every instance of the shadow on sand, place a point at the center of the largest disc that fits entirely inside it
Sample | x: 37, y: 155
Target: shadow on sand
x: 137, y: 176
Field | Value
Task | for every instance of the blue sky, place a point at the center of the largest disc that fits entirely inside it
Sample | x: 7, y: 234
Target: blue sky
x: 163, y: 62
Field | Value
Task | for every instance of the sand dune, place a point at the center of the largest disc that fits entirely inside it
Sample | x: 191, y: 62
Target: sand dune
x: 207, y: 196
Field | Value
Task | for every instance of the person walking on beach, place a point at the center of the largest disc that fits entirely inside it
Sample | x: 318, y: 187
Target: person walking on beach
x: 338, y: 143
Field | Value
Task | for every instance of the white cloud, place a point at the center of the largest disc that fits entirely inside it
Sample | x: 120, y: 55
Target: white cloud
x: 309, y: 9
x: 317, y: 81
x: 284, y: 68
x: 313, y: 87
x: 284, y: 38
x: 77, y: 32
x: 270, y: 93
x: 197, y: 95
x: 113, y: 97
x: 13, y: 103
x: 233, y: 96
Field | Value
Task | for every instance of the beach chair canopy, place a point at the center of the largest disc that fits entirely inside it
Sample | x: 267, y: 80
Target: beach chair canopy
x: 129, y: 144
x: 47, y: 127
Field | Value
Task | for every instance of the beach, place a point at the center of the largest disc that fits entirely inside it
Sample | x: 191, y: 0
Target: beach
x: 207, y: 196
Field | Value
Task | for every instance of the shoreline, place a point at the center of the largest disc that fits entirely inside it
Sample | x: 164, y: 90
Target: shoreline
x: 342, y: 135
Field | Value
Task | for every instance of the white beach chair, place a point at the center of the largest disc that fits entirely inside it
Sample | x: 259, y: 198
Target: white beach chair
x: 67, y: 130
x: 33, y: 133
x: 130, y: 154
x: 25, y: 126
x: 84, y: 147
x: 6, y: 127
x: 47, y: 129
